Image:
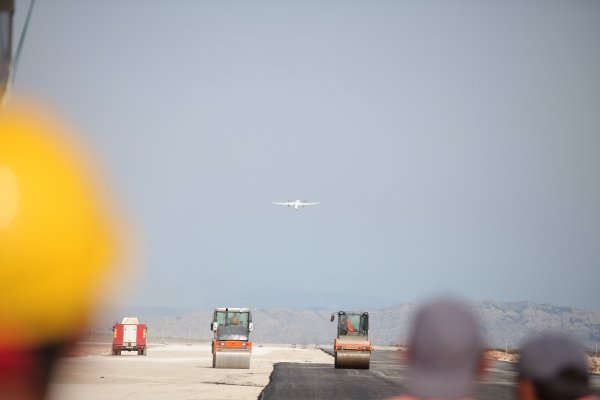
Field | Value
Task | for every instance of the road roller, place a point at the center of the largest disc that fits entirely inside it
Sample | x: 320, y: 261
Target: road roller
x: 231, y: 346
x: 352, y: 346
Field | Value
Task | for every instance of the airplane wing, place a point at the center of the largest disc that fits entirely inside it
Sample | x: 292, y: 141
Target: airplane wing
x: 281, y: 204
x: 310, y: 204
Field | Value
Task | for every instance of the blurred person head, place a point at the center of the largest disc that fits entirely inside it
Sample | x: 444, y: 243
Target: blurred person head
x: 57, y: 242
x: 445, y: 352
x: 552, y: 367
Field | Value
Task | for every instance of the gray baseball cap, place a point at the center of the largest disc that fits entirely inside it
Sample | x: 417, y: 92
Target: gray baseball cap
x: 445, y: 350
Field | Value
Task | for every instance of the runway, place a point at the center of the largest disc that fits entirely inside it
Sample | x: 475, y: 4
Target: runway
x: 179, y: 371
x: 171, y: 372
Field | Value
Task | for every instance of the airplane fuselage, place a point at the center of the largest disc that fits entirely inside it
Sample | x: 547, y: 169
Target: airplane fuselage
x: 296, y: 204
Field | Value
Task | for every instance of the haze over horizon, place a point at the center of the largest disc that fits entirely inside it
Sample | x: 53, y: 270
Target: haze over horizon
x: 273, y: 298
x: 454, y: 147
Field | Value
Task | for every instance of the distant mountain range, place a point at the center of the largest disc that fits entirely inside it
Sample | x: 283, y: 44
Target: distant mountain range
x: 505, y: 324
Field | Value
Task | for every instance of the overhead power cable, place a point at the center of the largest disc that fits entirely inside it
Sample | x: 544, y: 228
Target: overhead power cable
x: 22, y: 40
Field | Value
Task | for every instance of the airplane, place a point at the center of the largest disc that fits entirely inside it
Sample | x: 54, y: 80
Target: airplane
x: 296, y: 205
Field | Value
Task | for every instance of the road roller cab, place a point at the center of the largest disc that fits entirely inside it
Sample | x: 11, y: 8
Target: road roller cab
x: 231, y: 346
x: 352, y: 347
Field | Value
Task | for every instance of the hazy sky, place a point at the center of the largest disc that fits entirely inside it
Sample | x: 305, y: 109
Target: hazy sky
x: 454, y: 146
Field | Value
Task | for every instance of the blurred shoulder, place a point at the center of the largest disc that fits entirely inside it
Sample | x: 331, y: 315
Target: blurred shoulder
x: 404, y: 398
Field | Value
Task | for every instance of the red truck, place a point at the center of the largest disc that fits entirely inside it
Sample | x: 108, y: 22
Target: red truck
x: 129, y: 335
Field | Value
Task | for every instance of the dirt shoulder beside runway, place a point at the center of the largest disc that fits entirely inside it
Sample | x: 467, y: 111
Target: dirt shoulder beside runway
x: 593, y: 362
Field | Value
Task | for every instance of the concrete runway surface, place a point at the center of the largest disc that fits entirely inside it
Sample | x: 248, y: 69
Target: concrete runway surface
x: 172, y: 371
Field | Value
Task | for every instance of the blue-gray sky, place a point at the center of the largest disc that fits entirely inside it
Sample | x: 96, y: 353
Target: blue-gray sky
x: 454, y: 145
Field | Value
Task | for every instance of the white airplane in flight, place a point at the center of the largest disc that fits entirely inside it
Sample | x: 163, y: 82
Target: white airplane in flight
x: 296, y: 205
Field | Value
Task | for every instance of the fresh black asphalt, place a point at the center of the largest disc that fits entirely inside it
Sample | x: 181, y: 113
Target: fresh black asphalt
x: 387, y: 377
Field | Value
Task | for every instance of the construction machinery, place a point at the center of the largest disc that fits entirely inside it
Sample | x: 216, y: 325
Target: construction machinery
x: 129, y: 335
x: 352, y: 347
x: 231, y: 346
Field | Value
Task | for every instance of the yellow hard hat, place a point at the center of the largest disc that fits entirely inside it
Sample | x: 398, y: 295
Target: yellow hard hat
x: 57, y: 240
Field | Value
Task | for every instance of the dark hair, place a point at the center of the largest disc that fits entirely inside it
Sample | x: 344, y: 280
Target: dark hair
x: 568, y: 384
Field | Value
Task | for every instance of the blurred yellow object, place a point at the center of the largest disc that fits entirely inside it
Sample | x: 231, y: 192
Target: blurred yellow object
x: 56, y: 238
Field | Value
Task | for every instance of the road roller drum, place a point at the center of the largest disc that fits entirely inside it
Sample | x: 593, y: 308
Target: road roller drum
x: 231, y: 359
x: 352, y: 359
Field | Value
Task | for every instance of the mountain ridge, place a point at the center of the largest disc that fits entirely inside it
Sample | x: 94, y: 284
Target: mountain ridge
x: 503, y: 323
